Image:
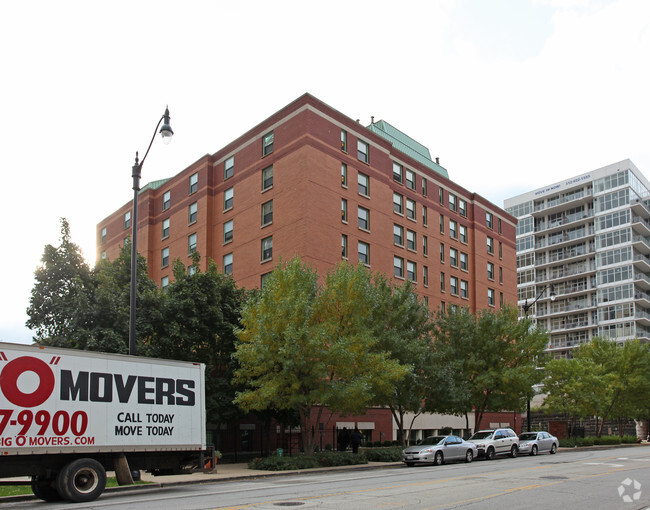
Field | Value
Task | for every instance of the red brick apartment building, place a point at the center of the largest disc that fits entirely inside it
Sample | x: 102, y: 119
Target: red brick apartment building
x: 312, y: 182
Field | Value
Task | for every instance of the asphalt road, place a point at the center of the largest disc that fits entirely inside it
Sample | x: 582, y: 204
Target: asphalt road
x: 575, y: 479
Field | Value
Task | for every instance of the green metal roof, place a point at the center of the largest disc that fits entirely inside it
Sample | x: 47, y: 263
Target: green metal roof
x: 154, y: 185
x: 407, y: 145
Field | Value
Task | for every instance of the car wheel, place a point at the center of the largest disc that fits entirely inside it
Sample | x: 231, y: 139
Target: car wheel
x: 553, y: 449
x: 469, y: 456
x: 438, y: 459
x: 44, y: 488
x: 81, y: 480
x: 513, y: 451
x: 489, y: 454
x: 533, y: 450
x: 410, y: 464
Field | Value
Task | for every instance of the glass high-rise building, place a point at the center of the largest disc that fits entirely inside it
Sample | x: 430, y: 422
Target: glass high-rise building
x: 583, y: 246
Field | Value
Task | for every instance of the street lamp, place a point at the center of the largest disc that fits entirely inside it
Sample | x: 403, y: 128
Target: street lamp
x: 166, y: 133
x: 527, y: 307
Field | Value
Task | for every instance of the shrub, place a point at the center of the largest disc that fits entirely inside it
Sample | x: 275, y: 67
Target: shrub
x: 607, y: 440
x: 630, y: 439
x: 376, y: 444
x: 392, y: 454
x: 322, y: 459
x: 390, y: 443
x: 567, y: 443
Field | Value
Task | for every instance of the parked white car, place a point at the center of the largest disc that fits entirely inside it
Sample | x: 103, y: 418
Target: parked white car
x: 533, y: 443
x: 493, y: 442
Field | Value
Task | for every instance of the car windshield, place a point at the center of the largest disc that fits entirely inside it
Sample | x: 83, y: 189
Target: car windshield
x: 432, y: 440
x: 482, y: 434
x: 527, y: 436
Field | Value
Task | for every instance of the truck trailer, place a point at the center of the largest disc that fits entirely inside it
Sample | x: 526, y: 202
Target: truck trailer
x: 67, y: 416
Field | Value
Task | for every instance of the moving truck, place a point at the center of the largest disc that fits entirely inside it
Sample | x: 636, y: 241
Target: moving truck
x: 68, y: 416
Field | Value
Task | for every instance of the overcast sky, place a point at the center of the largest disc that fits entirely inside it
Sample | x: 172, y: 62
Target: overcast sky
x: 509, y: 94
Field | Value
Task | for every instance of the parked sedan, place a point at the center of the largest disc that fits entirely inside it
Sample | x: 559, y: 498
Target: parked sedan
x: 438, y: 449
x: 533, y: 443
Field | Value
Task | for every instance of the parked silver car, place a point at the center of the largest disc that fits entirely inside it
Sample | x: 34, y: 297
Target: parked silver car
x: 533, y: 443
x: 494, y: 442
x: 438, y: 449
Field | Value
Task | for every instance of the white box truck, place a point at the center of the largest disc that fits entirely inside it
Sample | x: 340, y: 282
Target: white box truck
x: 67, y: 416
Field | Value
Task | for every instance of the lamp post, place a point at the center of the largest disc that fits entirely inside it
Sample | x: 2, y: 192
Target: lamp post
x: 527, y: 307
x: 166, y: 133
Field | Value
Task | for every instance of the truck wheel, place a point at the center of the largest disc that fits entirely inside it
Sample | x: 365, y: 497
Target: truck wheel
x: 81, y: 480
x: 45, y: 488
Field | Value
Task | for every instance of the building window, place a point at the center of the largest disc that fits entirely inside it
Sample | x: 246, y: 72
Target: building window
x: 267, y: 144
x: 424, y: 215
x: 228, y: 231
x: 452, y: 203
x: 411, y: 240
x: 263, y: 279
x: 453, y: 229
x: 499, y: 225
x: 165, y: 228
x: 228, y: 198
x: 398, y: 203
x: 442, y: 282
x: 192, y: 213
x: 489, y: 220
x: 500, y: 274
x: 267, y: 213
x: 410, y: 179
x: 398, y: 267
x: 411, y: 271
x: 442, y: 223
x: 464, y: 289
x: 191, y: 244
x: 364, y: 184
x: 362, y: 151
x: 490, y: 245
x: 425, y: 276
x: 164, y: 282
x: 364, y: 253
x: 410, y: 209
x: 442, y: 306
x: 229, y: 168
x: 344, y: 175
x: 267, y: 248
x: 501, y: 299
x: 491, y: 297
x: 424, y: 187
x: 463, y: 234
x: 398, y: 235
x: 164, y: 255
x: 397, y: 172
x: 194, y: 183
x: 227, y: 264
x: 344, y: 210
x: 442, y: 253
x: 191, y: 270
x: 490, y: 271
x: 127, y: 219
x: 344, y: 246
x: 103, y: 235
x: 453, y: 285
x: 103, y: 255
x: 167, y: 200
x: 364, y: 218
x: 500, y: 250
x: 462, y: 207
x: 463, y: 261
x: 425, y: 246
x: 453, y: 257
x: 344, y: 140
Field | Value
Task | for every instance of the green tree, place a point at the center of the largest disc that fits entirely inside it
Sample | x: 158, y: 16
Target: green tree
x: 60, y: 297
x: 201, y: 312
x: 497, y: 357
x: 401, y: 327
x: 303, y: 347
